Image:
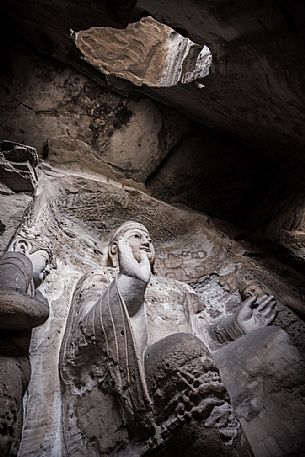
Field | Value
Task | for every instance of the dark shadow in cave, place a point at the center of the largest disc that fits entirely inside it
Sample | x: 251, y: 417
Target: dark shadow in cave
x: 213, y: 172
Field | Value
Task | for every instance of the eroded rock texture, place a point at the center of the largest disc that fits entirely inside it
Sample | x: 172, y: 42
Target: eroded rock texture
x: 18, y: 181
x: 72, y: 122
x: 123, y: 122
x: 258, y: 393
x: 146, y: 52
x: 256, y: 88
x: 192, y: 404
x: 253, y: 90
x: 17, y: 166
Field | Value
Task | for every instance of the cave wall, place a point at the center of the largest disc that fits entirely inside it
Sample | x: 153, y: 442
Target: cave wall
x: 75, y: 123
x: 77, y: 212
x: 221, y: 150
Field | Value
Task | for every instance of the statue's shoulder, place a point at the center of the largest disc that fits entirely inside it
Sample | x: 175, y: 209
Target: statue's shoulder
x: 90, y: 288
x: 96, y: 278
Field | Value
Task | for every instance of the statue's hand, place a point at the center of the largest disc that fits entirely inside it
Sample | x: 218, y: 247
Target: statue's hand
x: 129, y: 266
x: 256, y: 313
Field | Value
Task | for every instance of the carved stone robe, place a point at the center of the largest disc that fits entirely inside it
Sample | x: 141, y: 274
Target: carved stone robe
x: 106, y: 404
x: 21, y: 309
x: 102, y: 375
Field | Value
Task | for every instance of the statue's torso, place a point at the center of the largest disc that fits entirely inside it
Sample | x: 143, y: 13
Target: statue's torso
x: 169, y: 308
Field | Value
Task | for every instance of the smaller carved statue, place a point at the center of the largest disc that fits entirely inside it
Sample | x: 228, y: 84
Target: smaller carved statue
x: 264, y: 374
x: 22, y: 269
x: 255, y: 312
x: 250, y: 284
x: 137, y: 378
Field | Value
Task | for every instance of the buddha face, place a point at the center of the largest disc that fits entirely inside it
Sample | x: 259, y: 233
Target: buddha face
x: 138, y: 239
x: 40, y: 260
x: 41, y: 265
x: 253, y: 290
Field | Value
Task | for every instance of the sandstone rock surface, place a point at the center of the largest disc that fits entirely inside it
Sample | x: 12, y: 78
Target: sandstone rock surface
x: 272, y: 419
x: 18, y: 182
x: 74, y: 123
x: 77, y: 212
x: 256, y: 87
x: 17, y: 166
x: 146, y: 52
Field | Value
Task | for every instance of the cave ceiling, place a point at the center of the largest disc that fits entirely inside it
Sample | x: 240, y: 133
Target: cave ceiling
x: 255, y: 89
x: 225, y: 136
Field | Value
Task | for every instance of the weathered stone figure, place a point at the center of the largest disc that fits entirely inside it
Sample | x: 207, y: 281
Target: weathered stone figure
x: 136, y: 380
x: 264, y: 373
x: 22, y: 269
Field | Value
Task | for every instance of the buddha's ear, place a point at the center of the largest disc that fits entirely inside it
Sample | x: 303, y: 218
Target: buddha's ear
x: 22, y: 246
x: 113, y: 253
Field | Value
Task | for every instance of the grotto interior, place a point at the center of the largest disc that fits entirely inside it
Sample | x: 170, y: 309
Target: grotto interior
x: 186, y: 119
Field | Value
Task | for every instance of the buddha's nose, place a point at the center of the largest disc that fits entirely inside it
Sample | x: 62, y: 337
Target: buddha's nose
x: 47, y: 270
x: 145, y: 241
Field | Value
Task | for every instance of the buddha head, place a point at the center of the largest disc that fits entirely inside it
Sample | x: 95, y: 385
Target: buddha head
x: 138, y: 239
x: 38, y: 250
x: 249, y: 286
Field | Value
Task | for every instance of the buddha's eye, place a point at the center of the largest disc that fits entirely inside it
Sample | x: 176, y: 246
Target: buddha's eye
x: 137, y: 236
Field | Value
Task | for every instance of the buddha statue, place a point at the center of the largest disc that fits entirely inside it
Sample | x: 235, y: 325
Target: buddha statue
x: 22, y: 307
x: 136, y: 379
